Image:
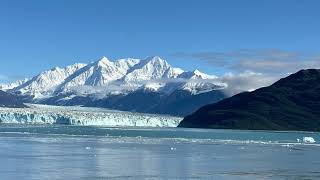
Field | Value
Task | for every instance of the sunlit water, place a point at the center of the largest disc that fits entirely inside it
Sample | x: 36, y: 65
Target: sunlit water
x: 75, y: 152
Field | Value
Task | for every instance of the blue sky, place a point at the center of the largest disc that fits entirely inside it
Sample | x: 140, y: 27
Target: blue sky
x: 36, y: 35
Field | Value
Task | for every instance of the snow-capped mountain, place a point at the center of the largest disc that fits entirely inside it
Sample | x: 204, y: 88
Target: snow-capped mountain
x: 196, y: 74
x: 150, y: 69
x: 120, y: 81
x: 45, y: 83
x: 124, y: 74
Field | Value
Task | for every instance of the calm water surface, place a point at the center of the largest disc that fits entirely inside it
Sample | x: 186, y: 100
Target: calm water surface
x: 75, y: 152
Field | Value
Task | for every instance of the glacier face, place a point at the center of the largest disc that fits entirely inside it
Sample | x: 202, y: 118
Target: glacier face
x: 44, y: 114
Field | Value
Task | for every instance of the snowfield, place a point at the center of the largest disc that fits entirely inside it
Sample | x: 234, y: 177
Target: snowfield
x: 44, y: 114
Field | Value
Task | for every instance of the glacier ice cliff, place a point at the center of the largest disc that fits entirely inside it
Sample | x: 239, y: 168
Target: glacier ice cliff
x: 44, y: 114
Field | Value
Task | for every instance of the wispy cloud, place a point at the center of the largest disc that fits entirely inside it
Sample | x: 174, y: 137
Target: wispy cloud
x: 249, y: 69
x: 264, y: 61
x: 246, y: 81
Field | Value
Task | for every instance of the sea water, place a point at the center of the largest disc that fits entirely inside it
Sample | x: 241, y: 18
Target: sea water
x: 88, y: 152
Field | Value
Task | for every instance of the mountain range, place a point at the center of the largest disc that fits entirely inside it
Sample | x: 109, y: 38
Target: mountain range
x: 150, y: 85
x: 292, y: 103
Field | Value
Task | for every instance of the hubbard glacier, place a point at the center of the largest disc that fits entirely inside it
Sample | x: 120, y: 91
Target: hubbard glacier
x: 74, y: 115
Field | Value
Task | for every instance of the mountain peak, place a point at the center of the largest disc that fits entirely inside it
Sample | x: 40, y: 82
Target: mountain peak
x: 103, y: 58
x: 55, y: 68
x: 196, y: 74
x: 196, y: 71
x: 103, y: 61
x: 155, y: 59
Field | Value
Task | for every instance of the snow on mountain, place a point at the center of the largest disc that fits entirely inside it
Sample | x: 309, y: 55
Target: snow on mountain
x: 43, y: 114
x: 126, y: 64
x: 15, y: 84
x: 202, y: 87
x: 196, y: 74
x: 44, y: 83
x: 153, y: 86
x: 199, y: 82
x: 105, y: 77
x: 176, y: 72
x: 149, y: 69
x: 99, y: 73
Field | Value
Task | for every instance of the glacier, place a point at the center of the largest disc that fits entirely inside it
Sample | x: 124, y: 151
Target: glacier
x: 74, y: 115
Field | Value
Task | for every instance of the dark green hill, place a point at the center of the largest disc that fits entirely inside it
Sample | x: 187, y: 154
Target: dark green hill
x: 292, y: 103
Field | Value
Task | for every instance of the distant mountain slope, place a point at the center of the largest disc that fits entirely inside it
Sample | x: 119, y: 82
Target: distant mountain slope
x: 178, y: 103
x: 292, y: 103
x: 182, y: 102
x: 8, y: 100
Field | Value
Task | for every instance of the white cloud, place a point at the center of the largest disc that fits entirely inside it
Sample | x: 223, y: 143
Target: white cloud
x: 249, y: 69
x: 267, y: 61
x: 246, y: 81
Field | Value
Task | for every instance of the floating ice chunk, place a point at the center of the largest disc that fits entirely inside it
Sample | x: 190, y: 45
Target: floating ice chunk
x: 308, y: 140
x: 287, y: 145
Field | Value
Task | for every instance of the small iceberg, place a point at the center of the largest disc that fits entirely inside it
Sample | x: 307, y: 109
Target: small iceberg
x: 308, y: 140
